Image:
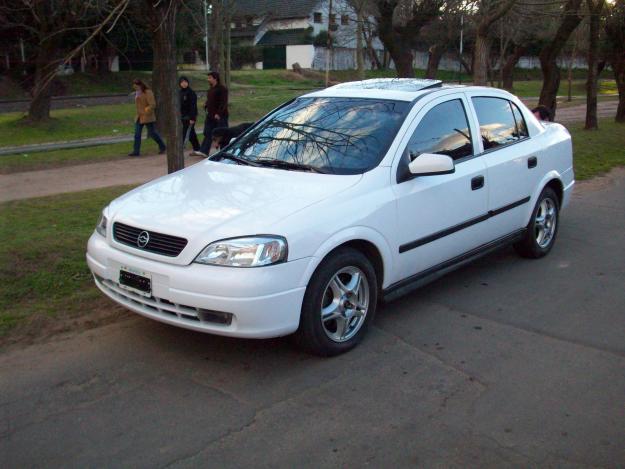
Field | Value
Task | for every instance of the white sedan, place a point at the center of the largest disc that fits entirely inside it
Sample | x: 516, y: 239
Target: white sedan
x: 329, y: 204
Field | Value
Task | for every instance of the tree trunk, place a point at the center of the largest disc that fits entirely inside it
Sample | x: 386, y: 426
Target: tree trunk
x: 165, y: 78
x: 618, y: 66
x: 216, y: 37
x: 594, y: 12
x: 480, y: 64
x: 549, y: 53
x: 45, y: 68
x: 228, y: 48
x: 434, y: 59
x: 467, y: 66
x: 360, y: 59
x: 375, y: 60
x: 507, y: 71
x: 402, y: 56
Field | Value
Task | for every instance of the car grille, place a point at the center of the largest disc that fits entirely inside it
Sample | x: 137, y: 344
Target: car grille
x: 162, y: 308
x: 159, y: 243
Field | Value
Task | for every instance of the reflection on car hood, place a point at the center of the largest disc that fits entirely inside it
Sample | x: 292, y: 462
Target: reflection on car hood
x: 210, y: 200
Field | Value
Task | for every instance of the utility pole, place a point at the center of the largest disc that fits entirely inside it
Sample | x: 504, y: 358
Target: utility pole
x: 461, y: 48
x: 206, y: 35
x: 329, y: 44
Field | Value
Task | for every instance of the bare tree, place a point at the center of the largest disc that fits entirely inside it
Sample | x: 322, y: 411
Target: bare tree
x: 488, y: 12
x: 161, y: 15
x: 595, y: 10
x: 615, y: 32
x: 399, y: 23
x: 441, y: 35
x: 46, y: 25
x: 570, y: 17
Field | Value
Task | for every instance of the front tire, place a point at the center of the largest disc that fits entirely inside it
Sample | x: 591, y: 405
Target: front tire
x: 542, y: 229
x: 339, y: 303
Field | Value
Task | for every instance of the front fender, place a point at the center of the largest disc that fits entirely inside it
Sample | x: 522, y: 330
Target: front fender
x: 353, y: 233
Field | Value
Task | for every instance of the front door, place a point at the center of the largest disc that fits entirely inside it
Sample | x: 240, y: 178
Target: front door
x: 439, y: 217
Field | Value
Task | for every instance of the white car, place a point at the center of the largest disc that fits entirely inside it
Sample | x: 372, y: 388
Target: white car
x: 332, y: 202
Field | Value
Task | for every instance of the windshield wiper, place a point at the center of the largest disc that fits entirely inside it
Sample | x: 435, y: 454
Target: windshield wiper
x: 230, y: 156
x: 288, y: 165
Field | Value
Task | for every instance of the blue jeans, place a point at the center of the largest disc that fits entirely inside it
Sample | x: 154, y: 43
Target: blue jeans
x: 209, y: 124
x: 152, y: 133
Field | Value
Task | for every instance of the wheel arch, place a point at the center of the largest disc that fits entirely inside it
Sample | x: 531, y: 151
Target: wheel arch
x: 553, y: 180
x: 365, y: 240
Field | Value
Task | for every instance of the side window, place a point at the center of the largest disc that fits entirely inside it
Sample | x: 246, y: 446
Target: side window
x: 497, y: 124
x: 521, y: 127
x: 444, y: 130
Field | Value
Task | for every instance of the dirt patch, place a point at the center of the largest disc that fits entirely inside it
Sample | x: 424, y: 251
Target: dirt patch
x: 600, y: 182
x: 40, y: 328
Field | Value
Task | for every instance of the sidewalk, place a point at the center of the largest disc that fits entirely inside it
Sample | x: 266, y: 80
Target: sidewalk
x: 83, y: 177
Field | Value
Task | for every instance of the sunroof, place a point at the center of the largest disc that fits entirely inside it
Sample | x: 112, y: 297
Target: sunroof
x: 393, y: 84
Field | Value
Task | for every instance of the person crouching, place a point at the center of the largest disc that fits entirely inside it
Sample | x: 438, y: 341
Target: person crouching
x: 222, y: 136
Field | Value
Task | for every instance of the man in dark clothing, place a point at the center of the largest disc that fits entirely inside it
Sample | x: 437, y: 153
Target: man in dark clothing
x: 216, y: 108
x: 223, y: 135
x: 188, y: 112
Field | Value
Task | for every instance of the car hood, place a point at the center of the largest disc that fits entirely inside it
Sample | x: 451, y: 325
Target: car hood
x: 210, y: 201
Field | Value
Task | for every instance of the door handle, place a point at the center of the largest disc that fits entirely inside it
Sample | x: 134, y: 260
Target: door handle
x: 477, y: 183
x: 532, y: 162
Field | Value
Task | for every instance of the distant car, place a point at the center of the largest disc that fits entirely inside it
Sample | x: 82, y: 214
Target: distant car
x: 332, y: 202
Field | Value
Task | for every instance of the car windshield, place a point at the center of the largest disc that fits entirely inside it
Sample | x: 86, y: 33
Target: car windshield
x: 328, y: 135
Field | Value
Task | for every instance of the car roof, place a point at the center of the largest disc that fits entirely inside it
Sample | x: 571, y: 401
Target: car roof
x: 399, y: 89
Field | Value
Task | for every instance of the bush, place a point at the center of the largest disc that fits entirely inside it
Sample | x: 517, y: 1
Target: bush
x: 245, y: 55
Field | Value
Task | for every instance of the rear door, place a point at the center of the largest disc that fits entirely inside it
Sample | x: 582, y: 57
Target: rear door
x: 510, y: 158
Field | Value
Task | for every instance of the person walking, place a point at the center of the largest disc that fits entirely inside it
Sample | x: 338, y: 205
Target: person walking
x: 146, y: 104
x: 188, y: 112
x: 216, y: 108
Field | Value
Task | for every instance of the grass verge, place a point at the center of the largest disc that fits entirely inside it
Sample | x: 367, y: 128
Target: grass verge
x: 74, y: 156
x: 118, y: 119
x: 597, y: 151
x: 44, y: 280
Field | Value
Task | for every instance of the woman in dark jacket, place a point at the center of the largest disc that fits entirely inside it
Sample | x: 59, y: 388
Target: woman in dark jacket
x: 188, y: 112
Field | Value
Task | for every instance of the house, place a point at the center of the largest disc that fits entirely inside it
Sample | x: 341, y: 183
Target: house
x: 289, y: 32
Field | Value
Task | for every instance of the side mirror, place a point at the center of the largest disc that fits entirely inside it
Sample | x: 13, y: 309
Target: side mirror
x: 430, y: 164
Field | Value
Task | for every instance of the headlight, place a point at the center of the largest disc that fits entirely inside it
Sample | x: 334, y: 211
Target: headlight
x: 253, y: 251
x: 101, y: 226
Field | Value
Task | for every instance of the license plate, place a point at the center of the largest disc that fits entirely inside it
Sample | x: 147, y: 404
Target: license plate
x: 135, y: 281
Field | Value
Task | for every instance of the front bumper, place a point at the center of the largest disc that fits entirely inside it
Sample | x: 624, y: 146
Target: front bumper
x: 263, y: 302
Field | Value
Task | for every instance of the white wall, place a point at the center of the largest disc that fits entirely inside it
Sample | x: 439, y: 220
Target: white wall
x: 345, y: 35
x: 303, y: 55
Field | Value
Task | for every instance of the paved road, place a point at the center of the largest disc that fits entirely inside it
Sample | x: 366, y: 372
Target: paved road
x: 508, y: 362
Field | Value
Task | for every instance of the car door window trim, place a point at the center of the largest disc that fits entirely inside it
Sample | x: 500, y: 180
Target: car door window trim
x: 461, y: 226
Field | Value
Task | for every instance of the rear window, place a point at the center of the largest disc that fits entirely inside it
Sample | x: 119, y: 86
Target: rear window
x: 498, y: 126
x: 334, y: 135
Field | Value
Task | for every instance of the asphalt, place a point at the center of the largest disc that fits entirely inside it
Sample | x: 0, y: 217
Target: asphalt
x: 507, y: 362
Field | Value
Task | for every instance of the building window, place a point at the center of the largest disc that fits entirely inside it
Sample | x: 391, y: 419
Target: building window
x: 332, y: 18
x: 344, y: 19
x: 317, y: 18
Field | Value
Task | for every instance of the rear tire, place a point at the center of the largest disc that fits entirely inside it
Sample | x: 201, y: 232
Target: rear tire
x: 542, y: 229
x: 339, y: 304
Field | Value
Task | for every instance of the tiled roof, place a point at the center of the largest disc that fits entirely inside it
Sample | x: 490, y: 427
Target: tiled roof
x: 275, y: 9
x: 286, y: 37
